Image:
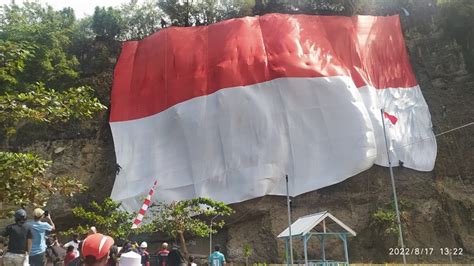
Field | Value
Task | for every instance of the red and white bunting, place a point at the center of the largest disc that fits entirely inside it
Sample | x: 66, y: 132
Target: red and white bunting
x: 144, y: 208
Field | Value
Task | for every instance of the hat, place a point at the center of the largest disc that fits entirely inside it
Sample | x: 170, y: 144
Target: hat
x: 92, y: 230
x: 143, y: 245
x: 130, y: 259
x: 38, y: 212
x: 96, y: 245
x: 20, y: 215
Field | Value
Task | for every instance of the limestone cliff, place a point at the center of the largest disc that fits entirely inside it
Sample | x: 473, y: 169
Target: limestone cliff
x: 437, y: 206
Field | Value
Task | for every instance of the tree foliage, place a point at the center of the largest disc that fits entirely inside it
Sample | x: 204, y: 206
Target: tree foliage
x: 23, y: 175
x: 196, y: 13
x: 47, y: 56
x: 247, y: 252
x: 44, y: 33
x: 140, y: 20
x: 13, y: 56
x: 24, y: 182
x: 314, y: 7
x: 106, y: 23
x: 34, y: 56
x: 189, y: 217
x: 49, y: 106
x: 385, y: 219
x: 108, y: 219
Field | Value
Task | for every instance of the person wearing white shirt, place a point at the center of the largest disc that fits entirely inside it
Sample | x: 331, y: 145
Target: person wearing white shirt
x: 75, y: 243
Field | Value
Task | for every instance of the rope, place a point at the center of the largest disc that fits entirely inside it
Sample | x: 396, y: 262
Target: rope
x: 437, y: 135
x: 456, y: 128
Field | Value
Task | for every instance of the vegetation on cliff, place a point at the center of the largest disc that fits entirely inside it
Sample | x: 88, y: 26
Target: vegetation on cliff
x: 50, y: 61
x: 187, y: 217
x: 55, y: 70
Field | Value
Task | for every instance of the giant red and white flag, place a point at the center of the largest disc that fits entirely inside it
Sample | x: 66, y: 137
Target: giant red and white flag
x: 226, y: 110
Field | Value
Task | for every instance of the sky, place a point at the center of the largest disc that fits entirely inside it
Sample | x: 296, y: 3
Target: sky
x: 81, y: 7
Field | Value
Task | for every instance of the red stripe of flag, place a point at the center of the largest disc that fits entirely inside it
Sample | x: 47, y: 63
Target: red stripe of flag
x: 141, y: 75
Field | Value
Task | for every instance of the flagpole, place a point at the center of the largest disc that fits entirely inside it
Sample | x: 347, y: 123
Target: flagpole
x: 394, y: 190
x: 289, y: 220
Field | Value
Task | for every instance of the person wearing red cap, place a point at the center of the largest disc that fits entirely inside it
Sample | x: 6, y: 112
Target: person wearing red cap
x: 95, y: 249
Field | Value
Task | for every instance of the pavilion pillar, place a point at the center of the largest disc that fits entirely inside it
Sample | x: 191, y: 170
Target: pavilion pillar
x: 323, y: 252
x: 346, y: 253
x: 305, y: 244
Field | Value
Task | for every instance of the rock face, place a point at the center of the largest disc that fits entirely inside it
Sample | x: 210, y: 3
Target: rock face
x: 437, y: 207
x: 86, y: 155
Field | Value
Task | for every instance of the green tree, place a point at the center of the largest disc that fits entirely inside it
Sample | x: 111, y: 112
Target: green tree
x: 314, y: 7
x: 140, y: 20
x: 95, y: 41
x: 44, y: 33
x: 34, y: 43
x: 23, y: 182
x: 13, y: 56
x: 46, y: 106
x: 237, y: 9
x: 107, y: 23
x: 192, y: 12
x: 188, y: 217
x: 179, y: 13
x: 108, y: 219
x: 23, y: 175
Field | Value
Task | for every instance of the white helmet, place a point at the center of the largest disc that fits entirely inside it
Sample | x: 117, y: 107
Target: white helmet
x: 143, y: 245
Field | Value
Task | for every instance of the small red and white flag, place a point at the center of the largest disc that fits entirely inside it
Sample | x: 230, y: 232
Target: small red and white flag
x: 144, y: 208
x: 390, y: 117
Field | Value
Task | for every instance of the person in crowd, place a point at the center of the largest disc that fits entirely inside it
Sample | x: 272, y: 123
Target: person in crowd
x: 136, y: 248
x: 54, y: 252
x: 75, y: 243
x: 20, y: 241
x: 92, y: 230
x: 95, y: 249
x: 127, y: 246
x: 38, y: 230
x: 217, y: 258
x: 175, y: 258
x: 2, y: 247
x: 113, y: 256
x: 163, y: 254
x: 70, y: 255
x: 145, y: 254
x: 191, y: 261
